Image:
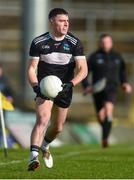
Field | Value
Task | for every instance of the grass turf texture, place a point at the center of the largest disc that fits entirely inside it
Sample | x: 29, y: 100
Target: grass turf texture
x: 72, y: 162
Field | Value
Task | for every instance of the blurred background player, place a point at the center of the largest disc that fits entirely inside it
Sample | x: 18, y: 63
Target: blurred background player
x: 109, y: 64
x: 56, y: 52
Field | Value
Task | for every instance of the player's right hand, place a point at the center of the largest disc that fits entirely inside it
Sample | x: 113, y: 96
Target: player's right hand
x: 127, y: 87
x: 88, y: 90
x: 37, y: 90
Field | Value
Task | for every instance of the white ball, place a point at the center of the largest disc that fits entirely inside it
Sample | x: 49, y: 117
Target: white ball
x: 50, y: 86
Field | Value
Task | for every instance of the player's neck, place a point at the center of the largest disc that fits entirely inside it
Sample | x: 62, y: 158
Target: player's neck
x: 57, y: 37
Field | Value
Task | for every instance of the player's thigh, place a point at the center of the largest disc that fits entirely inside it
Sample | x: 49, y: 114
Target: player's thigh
x: 60, y: 116
x: 99, y: 100
x: 43, y: 109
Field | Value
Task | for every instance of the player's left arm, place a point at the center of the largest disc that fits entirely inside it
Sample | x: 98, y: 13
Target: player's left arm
x: 81, y: 70
x: 81, y: 67
x: 81, y: 63
x: 123, y: 77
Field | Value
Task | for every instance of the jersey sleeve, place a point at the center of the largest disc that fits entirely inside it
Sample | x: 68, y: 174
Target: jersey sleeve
x: 34, y: 52
x: 78, y: 50
x: 123, y: 76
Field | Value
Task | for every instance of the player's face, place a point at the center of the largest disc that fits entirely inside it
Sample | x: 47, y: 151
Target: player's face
x: 107, y: 43
x: 60, y: 24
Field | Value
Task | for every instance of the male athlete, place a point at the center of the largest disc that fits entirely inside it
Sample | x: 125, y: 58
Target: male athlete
x: 56, y: 52
x: 108, y: 64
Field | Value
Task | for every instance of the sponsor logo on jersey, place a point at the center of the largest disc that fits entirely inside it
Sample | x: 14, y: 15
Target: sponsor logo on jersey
x: 66, y: 47
x: 45, y: 47
x: 57, y: 45
x: 100, y: 61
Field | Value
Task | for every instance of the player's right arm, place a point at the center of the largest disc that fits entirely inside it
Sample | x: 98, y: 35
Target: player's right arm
x: 123, y: 77
x: 32, y: 68
x: 32, y: 77
x: 34, y: 55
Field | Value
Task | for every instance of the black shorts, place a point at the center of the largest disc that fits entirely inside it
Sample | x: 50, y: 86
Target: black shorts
x: 104, y: 96
x: 65, y: 100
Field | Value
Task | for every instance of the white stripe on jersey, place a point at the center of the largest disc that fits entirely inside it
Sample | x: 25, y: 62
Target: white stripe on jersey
x: 80, y: 57
x: 73, y: 40
x: 34, y: 57
x: 56, y: 58
x: 42, y: 38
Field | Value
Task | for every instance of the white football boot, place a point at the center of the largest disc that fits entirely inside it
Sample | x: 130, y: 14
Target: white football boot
x: 47, y: 157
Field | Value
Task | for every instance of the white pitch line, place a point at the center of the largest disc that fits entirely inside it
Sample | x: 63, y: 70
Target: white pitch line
x: 12, y: 162
x: 55, y: 156
x: 71, y: 154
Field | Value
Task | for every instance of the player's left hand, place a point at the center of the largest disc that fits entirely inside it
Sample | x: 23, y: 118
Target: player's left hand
x: 127, y: 87
x: 66, y: 88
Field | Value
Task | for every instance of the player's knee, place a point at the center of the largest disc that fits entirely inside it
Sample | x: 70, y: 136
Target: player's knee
x: 42, y: 119
x: 101, y: 117
x: 109, y: 112
x: 58, y: 129
x: 41, y: 124
x: 109, y: 108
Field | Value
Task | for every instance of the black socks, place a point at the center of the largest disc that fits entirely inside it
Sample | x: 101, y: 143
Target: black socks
x: 106, y: 128
x: 34, y: 148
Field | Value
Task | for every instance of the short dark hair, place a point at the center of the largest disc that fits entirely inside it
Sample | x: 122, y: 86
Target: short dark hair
x: 54, y: 12
x: 103, y: 35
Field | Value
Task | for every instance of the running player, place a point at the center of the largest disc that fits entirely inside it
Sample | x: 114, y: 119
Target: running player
x: 106, y: 63
x: 58, y: 53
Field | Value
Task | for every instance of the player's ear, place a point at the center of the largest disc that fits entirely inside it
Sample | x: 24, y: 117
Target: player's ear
x: 50, y: 20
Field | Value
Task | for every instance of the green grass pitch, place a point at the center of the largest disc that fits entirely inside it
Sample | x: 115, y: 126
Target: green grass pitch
x: 73, y: 162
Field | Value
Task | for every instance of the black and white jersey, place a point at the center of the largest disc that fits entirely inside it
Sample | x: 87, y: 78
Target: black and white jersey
x: 56, y: 57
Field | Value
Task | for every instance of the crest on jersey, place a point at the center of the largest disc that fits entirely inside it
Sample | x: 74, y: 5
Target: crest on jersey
x: 117, y: 61
x: 66, y: 47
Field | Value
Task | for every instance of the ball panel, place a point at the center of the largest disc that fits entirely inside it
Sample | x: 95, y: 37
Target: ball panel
x: 51, y: 86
